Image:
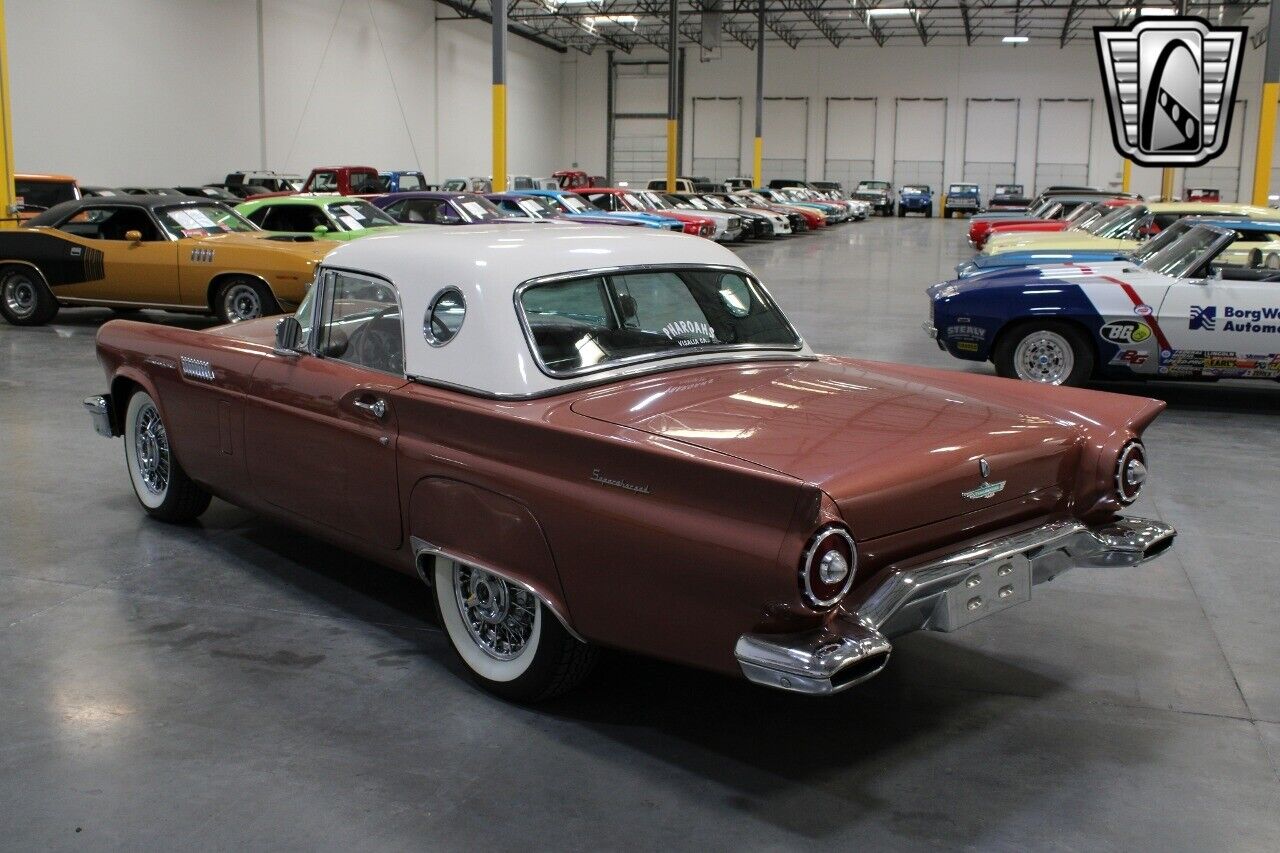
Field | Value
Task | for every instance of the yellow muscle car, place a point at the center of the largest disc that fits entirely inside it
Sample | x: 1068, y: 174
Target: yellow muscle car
x: 170, y: 252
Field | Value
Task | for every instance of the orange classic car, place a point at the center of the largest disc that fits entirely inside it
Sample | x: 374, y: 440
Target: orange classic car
x: 170, y: 252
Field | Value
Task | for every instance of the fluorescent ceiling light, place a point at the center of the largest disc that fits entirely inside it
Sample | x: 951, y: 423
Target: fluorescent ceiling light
x: 896, y: 12
x: 1014, y: 39
x: 1147, y: 11
x: 622, y: 20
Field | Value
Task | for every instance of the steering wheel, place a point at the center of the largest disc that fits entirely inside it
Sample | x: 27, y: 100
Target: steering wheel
x: 376, y: 344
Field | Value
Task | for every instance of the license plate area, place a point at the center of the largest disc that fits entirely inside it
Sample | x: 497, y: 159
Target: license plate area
x: 989, y: 588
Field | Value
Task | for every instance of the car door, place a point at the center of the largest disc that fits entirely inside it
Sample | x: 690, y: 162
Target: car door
x: 1222, y: 326
x: 320, y: 426
x: 143, y: 270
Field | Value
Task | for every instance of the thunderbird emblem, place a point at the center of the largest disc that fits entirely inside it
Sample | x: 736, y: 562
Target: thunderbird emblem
x: 986, y: 490
x: 1170, y: 86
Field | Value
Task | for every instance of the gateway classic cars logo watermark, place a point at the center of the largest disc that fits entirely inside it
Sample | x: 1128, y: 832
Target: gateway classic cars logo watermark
x: 1170, y: 86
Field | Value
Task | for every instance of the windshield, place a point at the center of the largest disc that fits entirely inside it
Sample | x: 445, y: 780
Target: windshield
x: 477, y: 208
x: 601, y: 321
x: 1039, y: 210
x: 649, y: 200
x: 356, y: 215
x: 914, y: 188
x: 873, y: 185
x: 962, y: 189
x: 1118, y: 222
x: 202, y: 220
x: 1185, y: 254
x: 44, y: 194
x: 366, y: 182
x: 574, y: 204
x: 1009, y: 189
x: 1157, y: 243
x: 536, y: 207
x: 715, y: 202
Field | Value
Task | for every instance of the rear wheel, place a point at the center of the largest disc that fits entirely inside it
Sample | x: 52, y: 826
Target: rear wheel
x: 163, y: 488
x: 25, y: 297
x: 1047, y: 352
x: 509, y: 642
x: 241, y: 298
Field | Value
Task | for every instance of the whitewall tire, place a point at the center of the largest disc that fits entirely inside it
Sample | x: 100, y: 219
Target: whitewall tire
x: 508, y: 640
x: 163, y: 488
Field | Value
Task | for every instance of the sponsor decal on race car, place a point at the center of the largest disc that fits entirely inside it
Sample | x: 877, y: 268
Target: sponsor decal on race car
x: 1202, y: 317
x: 966, y: 332
x: 1131, y: 357
x: 1125, y: 332
x: 1235, y: 319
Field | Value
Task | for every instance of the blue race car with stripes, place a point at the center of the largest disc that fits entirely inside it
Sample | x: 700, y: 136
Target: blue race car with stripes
x: 1199, y: 303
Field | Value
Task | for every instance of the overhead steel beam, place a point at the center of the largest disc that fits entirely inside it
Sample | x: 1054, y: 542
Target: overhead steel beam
x: 469, y: 10
x: 1067, y: 21
x: 968, y: 25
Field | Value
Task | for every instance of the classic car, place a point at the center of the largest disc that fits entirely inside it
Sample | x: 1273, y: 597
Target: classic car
x: 574, y: 207
x: 620, y: 199
x: 813, y: 218
x: 733, y: 185
x: 523, y: 206
x: 729, y: 228
x: 793, y: 222
x: 584, y: 440
x: 151, y: 191
x: 961, y: 198
x: 576, y: 179
x: 473, y: 184
x: 857, y: 210
x: 1201, y: 194
x: 775, y: 223
x: 1008, y: 197
x: 324, y: 217
x: 1124, y: 227
x: 829, y: 187
x: 1076, y: 220
x: 439, y: 208
x: 1049, y: 206
x: 915, y: 198
x: 402, y: 182
x: 879, y: 194
x: 263, y: 182
x: 831, y: 213
x: 129, y: 252
x: 34, y: 194
x: 1182, y: 311
x: 1239, y: 253
x: 101, y: 192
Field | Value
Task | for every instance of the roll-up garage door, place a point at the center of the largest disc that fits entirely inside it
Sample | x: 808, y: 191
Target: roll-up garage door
x: 850, y: 141
x: 640, y: 122
x: 919, y: 141
x: 1064, y: 130
x: 786, y: 138
x: 990, y: 142
x: 717, y: 137
x: 1223, y: 173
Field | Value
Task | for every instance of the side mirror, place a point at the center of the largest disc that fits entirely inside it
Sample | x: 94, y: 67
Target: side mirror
x: 288, y: 336
x: 320, y: 229
x: 133, y: 236
x: 1215, y: 272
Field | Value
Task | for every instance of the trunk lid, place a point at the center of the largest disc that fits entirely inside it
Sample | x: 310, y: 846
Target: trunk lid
x: 892, y: 451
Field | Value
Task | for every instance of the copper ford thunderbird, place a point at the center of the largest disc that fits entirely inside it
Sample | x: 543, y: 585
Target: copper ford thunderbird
x: 582, y: 438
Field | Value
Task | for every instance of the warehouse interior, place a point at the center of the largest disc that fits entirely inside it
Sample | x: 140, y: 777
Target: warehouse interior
x: 236, y: 681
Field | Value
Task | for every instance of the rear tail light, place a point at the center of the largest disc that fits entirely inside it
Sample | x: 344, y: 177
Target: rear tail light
x: 1131, y: 472
x: 828, y: 566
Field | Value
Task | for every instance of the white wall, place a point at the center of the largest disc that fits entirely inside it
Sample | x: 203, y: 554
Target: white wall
x: 163, y: 92
x: 958, y: 72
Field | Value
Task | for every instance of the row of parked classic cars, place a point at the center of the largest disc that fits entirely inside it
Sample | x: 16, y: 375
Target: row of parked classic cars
x: 1088, y: 283
x: 194, y: 249
x: 579, y: 436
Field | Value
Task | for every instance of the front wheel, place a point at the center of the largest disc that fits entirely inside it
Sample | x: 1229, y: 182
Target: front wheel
x: 163, y: 488
x: 239, y: 299
x: 1047, y: 352
x: 928, y: 213
x: 510, y: 643
x: 25, y: 298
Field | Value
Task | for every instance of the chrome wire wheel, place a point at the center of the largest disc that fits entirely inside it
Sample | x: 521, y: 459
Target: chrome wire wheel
x: 19, y: 294
x: 1044, y: 356
x: 241, y: 302
x: 500, y: 616
x: 151, y: 450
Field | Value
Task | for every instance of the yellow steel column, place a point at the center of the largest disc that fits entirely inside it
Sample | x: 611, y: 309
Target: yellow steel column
x: 673, y: 91
x: 1166, y: 184
x: 7, y: 200
x: 499, y: 178
x: 757, y: 163
x: 1266, y: 139
x: 1126, y: 174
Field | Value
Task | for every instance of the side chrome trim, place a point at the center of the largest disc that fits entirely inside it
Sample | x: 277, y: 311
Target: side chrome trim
x: 422, y: 546
x: 854, y: 645
x: 196, y: 368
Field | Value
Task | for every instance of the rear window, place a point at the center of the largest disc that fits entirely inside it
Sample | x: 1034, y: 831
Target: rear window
x: 597, y: 322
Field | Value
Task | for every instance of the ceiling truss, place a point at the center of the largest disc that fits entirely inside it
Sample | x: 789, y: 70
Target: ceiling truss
x: 626, y: 25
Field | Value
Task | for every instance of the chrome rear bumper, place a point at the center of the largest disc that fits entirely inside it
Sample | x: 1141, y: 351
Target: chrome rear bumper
x: 99, y: 409
x: 941, y: 595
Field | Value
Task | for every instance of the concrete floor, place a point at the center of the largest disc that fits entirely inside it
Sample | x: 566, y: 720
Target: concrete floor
x: 234, y: 684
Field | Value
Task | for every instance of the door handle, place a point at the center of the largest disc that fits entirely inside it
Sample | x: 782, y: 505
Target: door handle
x: 378, y: 408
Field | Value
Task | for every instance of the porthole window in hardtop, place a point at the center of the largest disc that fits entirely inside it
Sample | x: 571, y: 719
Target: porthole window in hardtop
x: 599, y: 321
x: 444, y: 317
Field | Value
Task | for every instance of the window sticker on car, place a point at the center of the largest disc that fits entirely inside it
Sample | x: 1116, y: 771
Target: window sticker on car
x: 352, y: 223
x: 200, y: 218
x: 184, y: 221
x: 529, y: 206
x: 475, y: 209
x: 354, y: 212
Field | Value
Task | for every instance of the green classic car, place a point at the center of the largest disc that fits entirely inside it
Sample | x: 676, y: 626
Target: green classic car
x: 326, y: 217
